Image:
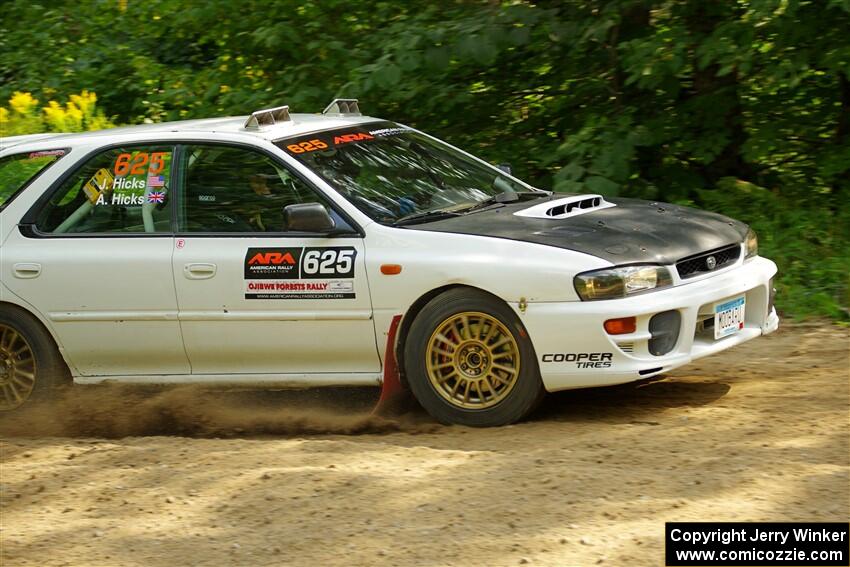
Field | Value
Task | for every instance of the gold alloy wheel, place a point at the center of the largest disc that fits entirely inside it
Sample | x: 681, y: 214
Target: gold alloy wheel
x: 17, y: 368
x: 472, y: 360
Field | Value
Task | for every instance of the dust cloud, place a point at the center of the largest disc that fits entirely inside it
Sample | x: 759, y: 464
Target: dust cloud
x: 115, y: 411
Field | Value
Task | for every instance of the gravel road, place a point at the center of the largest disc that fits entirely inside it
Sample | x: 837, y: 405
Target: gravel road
x: 113, y: 477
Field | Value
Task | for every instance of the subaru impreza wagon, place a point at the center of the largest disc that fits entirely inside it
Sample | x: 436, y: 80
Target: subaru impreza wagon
x: 318, y: 249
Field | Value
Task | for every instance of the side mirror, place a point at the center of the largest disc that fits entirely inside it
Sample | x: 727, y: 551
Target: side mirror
x: 506, y: 167
x: 308, y: 217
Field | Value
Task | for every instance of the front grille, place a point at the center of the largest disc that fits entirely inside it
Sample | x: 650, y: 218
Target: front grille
x: 699, y: 264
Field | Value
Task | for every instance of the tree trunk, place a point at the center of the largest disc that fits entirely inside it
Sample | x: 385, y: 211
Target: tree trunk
x: 841, y: 185
x: 718, y: 92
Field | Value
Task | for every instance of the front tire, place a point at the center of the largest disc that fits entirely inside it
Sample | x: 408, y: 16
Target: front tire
x: 469, y: 361
x: 31, y: 367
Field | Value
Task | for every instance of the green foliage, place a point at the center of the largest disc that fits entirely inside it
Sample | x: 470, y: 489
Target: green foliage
x: 741, y: 107
x: 16, y: 171
x: 809, y: 243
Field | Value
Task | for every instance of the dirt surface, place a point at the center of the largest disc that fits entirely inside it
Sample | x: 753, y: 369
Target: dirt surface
x: 182, y: 477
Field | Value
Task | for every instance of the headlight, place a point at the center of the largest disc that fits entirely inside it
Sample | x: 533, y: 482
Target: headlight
x: 752, y: 242
x: 612, y: 283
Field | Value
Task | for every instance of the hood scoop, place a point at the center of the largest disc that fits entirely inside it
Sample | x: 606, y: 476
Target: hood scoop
x: 566, y: 207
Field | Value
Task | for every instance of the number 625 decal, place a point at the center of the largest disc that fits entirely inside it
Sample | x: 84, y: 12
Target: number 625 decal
x: 308, y: 146
x: 328, y: 262
x: 140, y: 163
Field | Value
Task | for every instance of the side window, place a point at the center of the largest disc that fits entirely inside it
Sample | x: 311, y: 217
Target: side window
x: 17, y: 171
x: 123, y: 190
x: 228, y: 189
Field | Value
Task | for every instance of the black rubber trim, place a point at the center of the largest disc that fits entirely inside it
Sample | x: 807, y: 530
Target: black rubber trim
x: 176, y: 170
x: 649, y: 371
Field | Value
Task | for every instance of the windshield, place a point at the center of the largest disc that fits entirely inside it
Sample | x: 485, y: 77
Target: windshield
x: 391, y: 172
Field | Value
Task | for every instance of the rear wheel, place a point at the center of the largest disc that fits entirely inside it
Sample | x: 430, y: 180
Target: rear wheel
x: 469, y: 361
x: 30, y: 364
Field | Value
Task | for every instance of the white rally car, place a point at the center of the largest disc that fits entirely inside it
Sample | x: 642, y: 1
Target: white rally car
x: 319, y: 249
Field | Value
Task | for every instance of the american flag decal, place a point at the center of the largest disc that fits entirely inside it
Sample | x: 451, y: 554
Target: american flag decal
x: 156, y: 181
x: 156, y: 197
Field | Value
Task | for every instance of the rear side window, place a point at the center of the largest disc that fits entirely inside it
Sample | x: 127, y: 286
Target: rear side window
x: 19, y: 170
x: 120, y: 190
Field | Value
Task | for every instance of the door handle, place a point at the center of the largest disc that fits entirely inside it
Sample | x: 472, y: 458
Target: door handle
x: 27, y: 270
x: 200, y: 271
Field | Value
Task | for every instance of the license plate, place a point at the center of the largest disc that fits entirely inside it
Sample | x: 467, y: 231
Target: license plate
x: 728, y: 317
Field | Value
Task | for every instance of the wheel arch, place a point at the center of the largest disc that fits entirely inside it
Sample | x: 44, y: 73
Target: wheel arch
x: 35, y: 316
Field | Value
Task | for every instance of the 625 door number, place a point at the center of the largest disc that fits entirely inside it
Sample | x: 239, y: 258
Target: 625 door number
x: 328, y: 262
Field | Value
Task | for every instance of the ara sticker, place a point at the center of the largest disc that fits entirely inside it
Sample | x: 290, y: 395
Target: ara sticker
x: 316, y: 144
x: 300, y: 273
x: 357, y: 137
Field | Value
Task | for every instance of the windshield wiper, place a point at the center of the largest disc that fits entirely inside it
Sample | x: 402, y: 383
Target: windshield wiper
x: 424, y: 216
x: 504, y: 197
x: 438, y: 214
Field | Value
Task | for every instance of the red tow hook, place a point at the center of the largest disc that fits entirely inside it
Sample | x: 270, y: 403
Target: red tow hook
x: 392, y: 392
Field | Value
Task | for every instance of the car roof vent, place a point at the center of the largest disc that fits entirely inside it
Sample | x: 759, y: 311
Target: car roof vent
x: 566, y: 207
x: 343, y: 107
x: 267, y: 117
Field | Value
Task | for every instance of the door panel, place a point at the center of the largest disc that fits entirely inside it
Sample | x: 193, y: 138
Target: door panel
x: 110, y: 300
x: 97, y: 264
x: 261, y: 312
x: 254, y: 298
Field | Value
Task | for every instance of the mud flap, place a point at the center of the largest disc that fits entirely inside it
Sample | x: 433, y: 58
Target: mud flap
x: 394, y: 398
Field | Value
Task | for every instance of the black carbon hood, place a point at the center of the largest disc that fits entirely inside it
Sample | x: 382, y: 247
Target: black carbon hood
x: 634, y: 231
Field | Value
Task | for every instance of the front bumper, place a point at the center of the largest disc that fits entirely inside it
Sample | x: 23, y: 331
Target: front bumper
x: 574, y: 351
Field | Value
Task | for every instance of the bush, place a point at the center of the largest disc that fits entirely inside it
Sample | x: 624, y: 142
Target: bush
x: 78, y: 114
x: 810, y: 244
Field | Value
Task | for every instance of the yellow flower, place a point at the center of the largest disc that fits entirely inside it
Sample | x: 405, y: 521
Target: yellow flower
x: 4, y: 114
x: 55, y: 115
x: 22, y: 103
x: 85, y: 101
x: 73, y: 112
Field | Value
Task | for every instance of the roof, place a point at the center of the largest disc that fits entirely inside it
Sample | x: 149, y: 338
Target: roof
x: 297, y: 125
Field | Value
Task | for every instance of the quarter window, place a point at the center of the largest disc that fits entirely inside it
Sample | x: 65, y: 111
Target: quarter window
x: 123, y: 190
x: 17, y: 171
x: 229, y: 189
